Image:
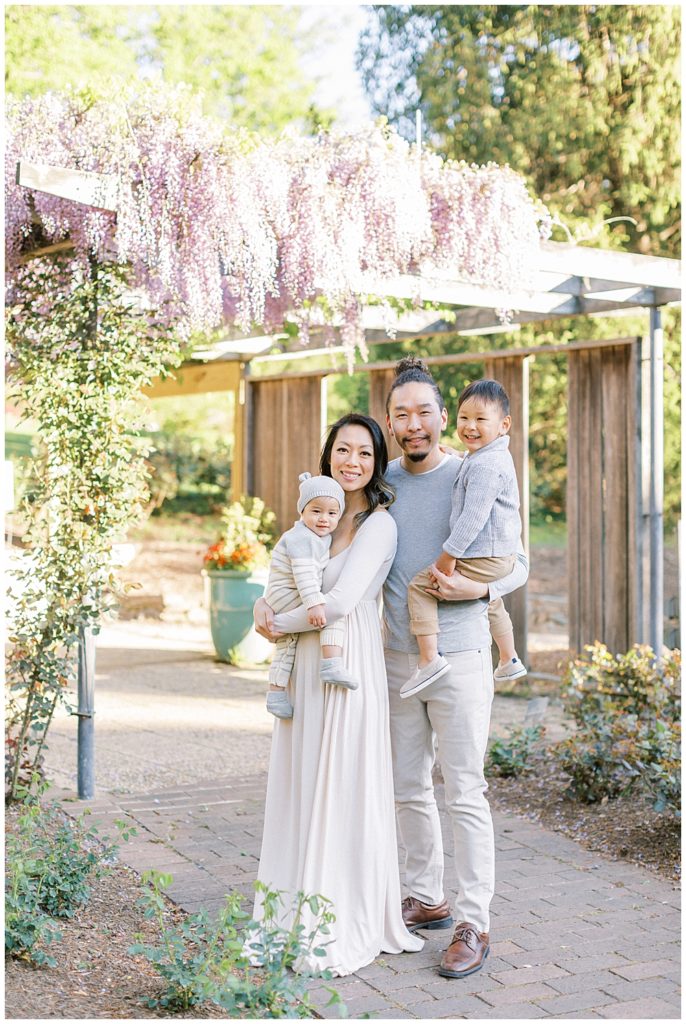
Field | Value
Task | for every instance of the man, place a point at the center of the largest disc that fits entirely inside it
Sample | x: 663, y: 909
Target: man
x: 455, y: 710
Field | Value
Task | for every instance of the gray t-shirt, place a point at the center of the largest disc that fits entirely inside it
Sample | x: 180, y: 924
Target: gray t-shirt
x: 422, y: 514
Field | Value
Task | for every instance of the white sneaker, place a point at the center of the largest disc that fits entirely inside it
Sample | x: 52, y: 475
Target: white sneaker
x: 422, y: 677
x: 514, y: 669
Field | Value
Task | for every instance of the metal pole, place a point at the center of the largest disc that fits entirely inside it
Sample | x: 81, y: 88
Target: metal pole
x: 656, y: 610
x: 86, y: 713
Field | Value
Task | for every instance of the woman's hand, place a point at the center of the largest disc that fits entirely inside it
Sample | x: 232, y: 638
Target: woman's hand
x: 456, y: 587
x: 263, y: 614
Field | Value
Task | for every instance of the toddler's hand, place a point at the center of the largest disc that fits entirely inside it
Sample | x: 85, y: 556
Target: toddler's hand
x: 445, y: 563
x: 316, y: 616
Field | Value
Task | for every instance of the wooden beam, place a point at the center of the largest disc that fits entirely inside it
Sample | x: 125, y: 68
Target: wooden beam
x: 192, y: 379
x: 624, y: 267
x: 448, y: 360
x: 98, y: 190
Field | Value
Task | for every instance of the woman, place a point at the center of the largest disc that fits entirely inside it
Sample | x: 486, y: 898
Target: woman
x: 329, y: 824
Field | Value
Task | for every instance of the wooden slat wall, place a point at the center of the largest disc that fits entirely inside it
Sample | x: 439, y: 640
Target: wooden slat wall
x: 513, y: 374
x: 602, y: 497
x: 379, y: 385
x: 287, y: 434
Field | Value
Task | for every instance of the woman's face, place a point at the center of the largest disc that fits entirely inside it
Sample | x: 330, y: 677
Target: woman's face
x: 352, y: 457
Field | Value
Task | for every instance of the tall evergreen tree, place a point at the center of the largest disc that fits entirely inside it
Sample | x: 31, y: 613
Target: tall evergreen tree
x: 583, y: 100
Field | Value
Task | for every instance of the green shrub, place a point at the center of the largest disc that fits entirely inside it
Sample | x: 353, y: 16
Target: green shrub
x: 514, y: 755
x: 627, y: 711
x: 51, y: 862
x: 243, y: 966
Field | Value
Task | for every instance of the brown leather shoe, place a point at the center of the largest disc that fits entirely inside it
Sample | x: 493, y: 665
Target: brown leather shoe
x: 466, y: 953
x: 418, y: 915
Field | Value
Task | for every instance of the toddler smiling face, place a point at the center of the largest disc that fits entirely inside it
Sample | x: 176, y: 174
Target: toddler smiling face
x: 479, y: 422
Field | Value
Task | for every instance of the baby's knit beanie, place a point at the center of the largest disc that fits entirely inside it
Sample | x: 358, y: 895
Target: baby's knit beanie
x: 319, y: 487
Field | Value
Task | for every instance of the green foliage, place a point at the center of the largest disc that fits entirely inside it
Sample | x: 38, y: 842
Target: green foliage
x: 245, y: 60
x: 581, y: 100
x: 243, y: 966
x: 51, y: 862
x: 248, y: 534
x: 516, y: 754
x: 627, y: 710
x: 79, y: 356
x: 187, y: 474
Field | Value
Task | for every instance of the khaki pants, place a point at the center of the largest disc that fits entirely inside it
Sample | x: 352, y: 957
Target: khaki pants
x: 423, y: 606
x: 457, y: 710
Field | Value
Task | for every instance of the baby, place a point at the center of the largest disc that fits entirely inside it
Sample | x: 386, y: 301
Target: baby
x: 295, y: 577
x: 484, y: 530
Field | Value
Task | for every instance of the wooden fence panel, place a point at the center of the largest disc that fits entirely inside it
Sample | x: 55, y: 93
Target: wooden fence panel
x: 601, y: 496
x: 287, y: 434
x: 513, y: 374
x: 379, y: 385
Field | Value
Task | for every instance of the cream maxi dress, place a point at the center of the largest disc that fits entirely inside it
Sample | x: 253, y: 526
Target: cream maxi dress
x: 329, y: 823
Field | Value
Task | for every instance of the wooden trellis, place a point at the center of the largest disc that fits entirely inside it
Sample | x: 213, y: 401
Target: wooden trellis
x: 569, y: 280
x: 608, y: 446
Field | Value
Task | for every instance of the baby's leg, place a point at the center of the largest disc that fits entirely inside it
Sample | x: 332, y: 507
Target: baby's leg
x: 486, y: 570
x: 333, y: 670
x: 423, y: 617
x: 280, y: 670
x: 424, y: 625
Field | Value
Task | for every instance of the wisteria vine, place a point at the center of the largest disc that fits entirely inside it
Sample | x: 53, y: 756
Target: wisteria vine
x: 222, y: 227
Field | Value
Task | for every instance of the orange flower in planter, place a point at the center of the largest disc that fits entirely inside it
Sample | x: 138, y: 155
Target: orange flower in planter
x: 246, y: 540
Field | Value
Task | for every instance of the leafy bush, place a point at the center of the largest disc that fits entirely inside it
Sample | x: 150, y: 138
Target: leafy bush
x: 243, y: 966
x: 50, y: 864
x: 513, y: 755
x: 248, y: 534
x: 627, y: 710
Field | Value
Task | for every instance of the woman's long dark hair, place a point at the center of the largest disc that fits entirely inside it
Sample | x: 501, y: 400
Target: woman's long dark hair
x: 378, y: 492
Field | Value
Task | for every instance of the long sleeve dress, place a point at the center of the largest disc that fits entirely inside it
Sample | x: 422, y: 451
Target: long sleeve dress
x: 329, y: 825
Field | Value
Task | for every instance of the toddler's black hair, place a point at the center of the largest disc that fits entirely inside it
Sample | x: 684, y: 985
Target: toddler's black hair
x: 487, y: 390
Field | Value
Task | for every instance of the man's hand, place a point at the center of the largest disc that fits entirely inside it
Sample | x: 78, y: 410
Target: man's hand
x: 447, y: 450
x: 456, y: 587
x: 263, y: 614
x: 316, y: 616
x: 445, y: 563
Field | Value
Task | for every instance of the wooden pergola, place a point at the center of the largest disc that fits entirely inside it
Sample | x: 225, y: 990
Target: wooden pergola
x: 616, y: 461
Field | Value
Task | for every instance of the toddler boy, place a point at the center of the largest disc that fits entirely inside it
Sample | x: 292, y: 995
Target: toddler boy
x: 484, y: 531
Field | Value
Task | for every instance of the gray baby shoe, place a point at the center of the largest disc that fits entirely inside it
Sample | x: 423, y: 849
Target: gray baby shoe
x: 279, y: 705
x: 334, y: 672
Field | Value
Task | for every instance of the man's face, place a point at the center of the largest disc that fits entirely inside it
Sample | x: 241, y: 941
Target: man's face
x: 415, y: 420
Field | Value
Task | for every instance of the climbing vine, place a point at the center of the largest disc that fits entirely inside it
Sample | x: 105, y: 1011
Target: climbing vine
x: 79, y: 353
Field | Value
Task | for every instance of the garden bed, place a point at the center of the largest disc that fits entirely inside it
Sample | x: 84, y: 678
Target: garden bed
x: 95, y: 975
x: 625, y: 829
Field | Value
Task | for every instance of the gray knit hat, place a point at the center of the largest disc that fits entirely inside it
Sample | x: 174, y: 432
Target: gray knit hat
x: 319, y: 487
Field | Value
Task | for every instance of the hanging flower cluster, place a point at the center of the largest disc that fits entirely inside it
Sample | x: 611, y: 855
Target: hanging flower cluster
x: 227, y: 228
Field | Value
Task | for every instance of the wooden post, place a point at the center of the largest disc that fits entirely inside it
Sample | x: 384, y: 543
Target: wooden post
x: 379, y: 385
x: 238, y: 468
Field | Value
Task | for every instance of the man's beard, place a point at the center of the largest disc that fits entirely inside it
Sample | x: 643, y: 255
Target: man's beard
x: 416, y: 456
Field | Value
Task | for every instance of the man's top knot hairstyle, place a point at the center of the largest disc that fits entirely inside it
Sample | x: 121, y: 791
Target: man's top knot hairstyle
x: 411, y: 370
x: 487, y: 390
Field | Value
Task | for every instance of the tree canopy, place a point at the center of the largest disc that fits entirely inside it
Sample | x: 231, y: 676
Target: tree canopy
x: 582, y: 100
x: 244, y: 59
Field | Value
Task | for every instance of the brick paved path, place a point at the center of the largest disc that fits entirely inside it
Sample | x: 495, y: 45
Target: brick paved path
x: 573, y: 936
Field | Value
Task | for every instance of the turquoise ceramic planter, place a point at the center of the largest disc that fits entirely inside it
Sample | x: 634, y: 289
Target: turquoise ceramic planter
x: 232, y: 595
